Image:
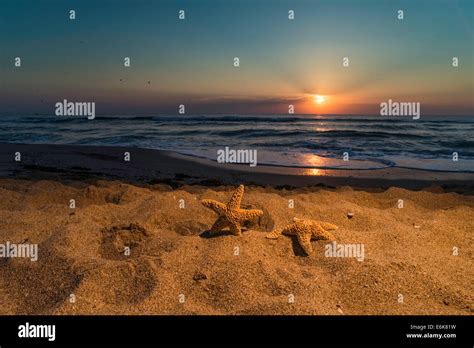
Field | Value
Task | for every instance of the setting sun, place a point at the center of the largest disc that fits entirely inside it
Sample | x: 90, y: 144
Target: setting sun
x: 319, y: 99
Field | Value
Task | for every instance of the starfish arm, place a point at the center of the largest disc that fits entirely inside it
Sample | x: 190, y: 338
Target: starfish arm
x: 304, y: 238
x: 220, y: 223
x: 321, y: 233
x: 218, y: 207
x: 235, y: 229
x: 234, y: 202
x: 274, y: 234
x: 327, y: 226
x: 288, y: 230
x: 250, y: 214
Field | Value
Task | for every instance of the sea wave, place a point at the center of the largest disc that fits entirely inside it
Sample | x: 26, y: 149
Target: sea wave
x: 379, y: 141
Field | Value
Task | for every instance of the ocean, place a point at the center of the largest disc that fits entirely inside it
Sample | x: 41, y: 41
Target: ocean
x: 369, y: 142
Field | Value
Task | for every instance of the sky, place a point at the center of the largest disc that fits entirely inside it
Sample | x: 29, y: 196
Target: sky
x: 282, y: 61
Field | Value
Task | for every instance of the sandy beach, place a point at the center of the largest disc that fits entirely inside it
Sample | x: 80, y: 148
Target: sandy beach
x: 409, y: 267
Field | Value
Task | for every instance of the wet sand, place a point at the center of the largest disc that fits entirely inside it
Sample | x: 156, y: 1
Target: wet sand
x: 68, y: 162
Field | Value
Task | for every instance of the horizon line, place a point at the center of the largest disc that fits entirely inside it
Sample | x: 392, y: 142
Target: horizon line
x: 228, y: 114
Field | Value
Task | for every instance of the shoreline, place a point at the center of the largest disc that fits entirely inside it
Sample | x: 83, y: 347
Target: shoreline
x: 74, y: 162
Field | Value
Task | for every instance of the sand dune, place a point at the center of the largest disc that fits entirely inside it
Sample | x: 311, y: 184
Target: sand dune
x: 408, y: 251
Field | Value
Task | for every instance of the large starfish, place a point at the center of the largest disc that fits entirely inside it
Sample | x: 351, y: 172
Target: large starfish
x: 304, y: 231
x: 230, y: 214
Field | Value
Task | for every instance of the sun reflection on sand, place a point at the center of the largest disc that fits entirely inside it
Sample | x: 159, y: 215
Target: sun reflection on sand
x: 316, y: 161
x: 314, y: 172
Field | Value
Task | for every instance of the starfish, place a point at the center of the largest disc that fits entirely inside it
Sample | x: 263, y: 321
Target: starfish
x: 230, y: 214
x: 304, y: 231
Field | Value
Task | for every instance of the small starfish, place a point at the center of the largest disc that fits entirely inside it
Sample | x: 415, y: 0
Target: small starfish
x: 230, y: 214
x: 304, y: 231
